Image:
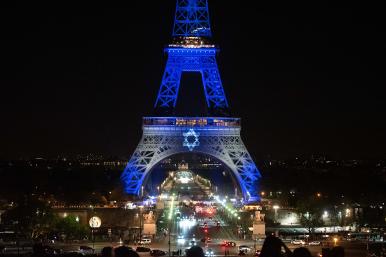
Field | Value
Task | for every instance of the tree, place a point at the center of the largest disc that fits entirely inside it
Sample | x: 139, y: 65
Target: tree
x: 32, y: 216
x: 310, y: 214
x: 71, y: 227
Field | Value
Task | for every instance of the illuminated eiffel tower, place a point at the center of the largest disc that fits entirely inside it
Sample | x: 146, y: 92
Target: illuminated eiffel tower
x: 166, y: 135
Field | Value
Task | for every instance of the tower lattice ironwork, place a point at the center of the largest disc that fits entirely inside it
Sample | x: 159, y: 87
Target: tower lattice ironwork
x: 219, y: 137
x: 192, y: 19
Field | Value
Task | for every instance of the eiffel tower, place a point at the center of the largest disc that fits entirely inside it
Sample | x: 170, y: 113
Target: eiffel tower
x: 166, y: 135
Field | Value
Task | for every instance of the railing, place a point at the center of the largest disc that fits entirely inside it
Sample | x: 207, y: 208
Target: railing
x: 192, y: 121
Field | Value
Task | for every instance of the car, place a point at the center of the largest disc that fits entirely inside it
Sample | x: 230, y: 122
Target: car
x: 86, y: 250
x: 314, y: 243
x: 298, y: 242
x: 228, y: 244
x: 206, y: 240
x: 181, y: 240
x: 245, y: 248
x: 192, y: 243
x: 145, y: 241
x: 209, y: 252
x: 141, y: 249
x: 157, y: 252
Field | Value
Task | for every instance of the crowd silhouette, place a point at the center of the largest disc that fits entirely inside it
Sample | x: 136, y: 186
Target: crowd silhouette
x: 272, y: 247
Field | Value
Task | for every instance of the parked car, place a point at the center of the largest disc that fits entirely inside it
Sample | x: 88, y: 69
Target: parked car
x: 298, y: 242
x: 245, y: 248
x: 145, y: 241
x: 86, y: 250
x: 142, y: 249
x: 314, y: 243
x: 209, y: 253
x: 157, y: 252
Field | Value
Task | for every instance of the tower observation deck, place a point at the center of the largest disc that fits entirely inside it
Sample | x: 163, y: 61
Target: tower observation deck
x: 166, y: 135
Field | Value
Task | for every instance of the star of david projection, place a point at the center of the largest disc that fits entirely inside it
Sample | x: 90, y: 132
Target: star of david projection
x: 191, y: 139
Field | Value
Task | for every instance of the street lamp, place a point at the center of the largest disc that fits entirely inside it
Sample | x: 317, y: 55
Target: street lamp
x: 335, y: 240
x: 94, y: 222
x: 275, y: 207
x: 140, y: 222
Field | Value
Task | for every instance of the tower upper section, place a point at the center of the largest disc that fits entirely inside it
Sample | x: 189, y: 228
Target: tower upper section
x: 191, y: 51
x: 192, y: 19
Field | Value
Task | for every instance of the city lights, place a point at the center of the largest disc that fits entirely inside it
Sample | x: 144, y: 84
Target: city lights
x: 189, y: 185
x: 181, y: 240
x: 187, y: 223
x: 223, y: 203
x: 171, y: 208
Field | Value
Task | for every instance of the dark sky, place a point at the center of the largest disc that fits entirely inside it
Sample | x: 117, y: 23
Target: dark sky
x: 304, y: 78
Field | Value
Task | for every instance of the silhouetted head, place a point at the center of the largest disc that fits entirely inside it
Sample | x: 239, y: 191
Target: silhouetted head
x: 195, y: 251
x: 271, y: 247
x: 301, y: 252
x: 74, y: 254
x: 124, y: 251
x: 337, y: 251
x: 38, y: 249
x: 107, y: 251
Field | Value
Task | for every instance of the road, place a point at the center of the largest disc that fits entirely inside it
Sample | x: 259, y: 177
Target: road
x: 226, y: 231
x: 351, y: 249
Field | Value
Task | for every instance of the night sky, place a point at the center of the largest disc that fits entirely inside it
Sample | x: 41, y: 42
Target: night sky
x: 306, y: 79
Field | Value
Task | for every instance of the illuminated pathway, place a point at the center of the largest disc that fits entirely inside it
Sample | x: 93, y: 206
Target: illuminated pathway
x: 187, y: 226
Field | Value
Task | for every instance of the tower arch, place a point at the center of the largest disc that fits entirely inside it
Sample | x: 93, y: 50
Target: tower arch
x: 216, y: 137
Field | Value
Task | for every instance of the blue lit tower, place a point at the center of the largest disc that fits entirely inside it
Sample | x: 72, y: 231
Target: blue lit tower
x: 191, y: 51
x: 219, y: 136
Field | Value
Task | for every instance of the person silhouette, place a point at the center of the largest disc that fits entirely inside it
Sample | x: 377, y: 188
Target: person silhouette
x: 301, y: 252
x: 107, y: 251
x: 272, y: 247
x: 337, y: 251
x: 195, y: 251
